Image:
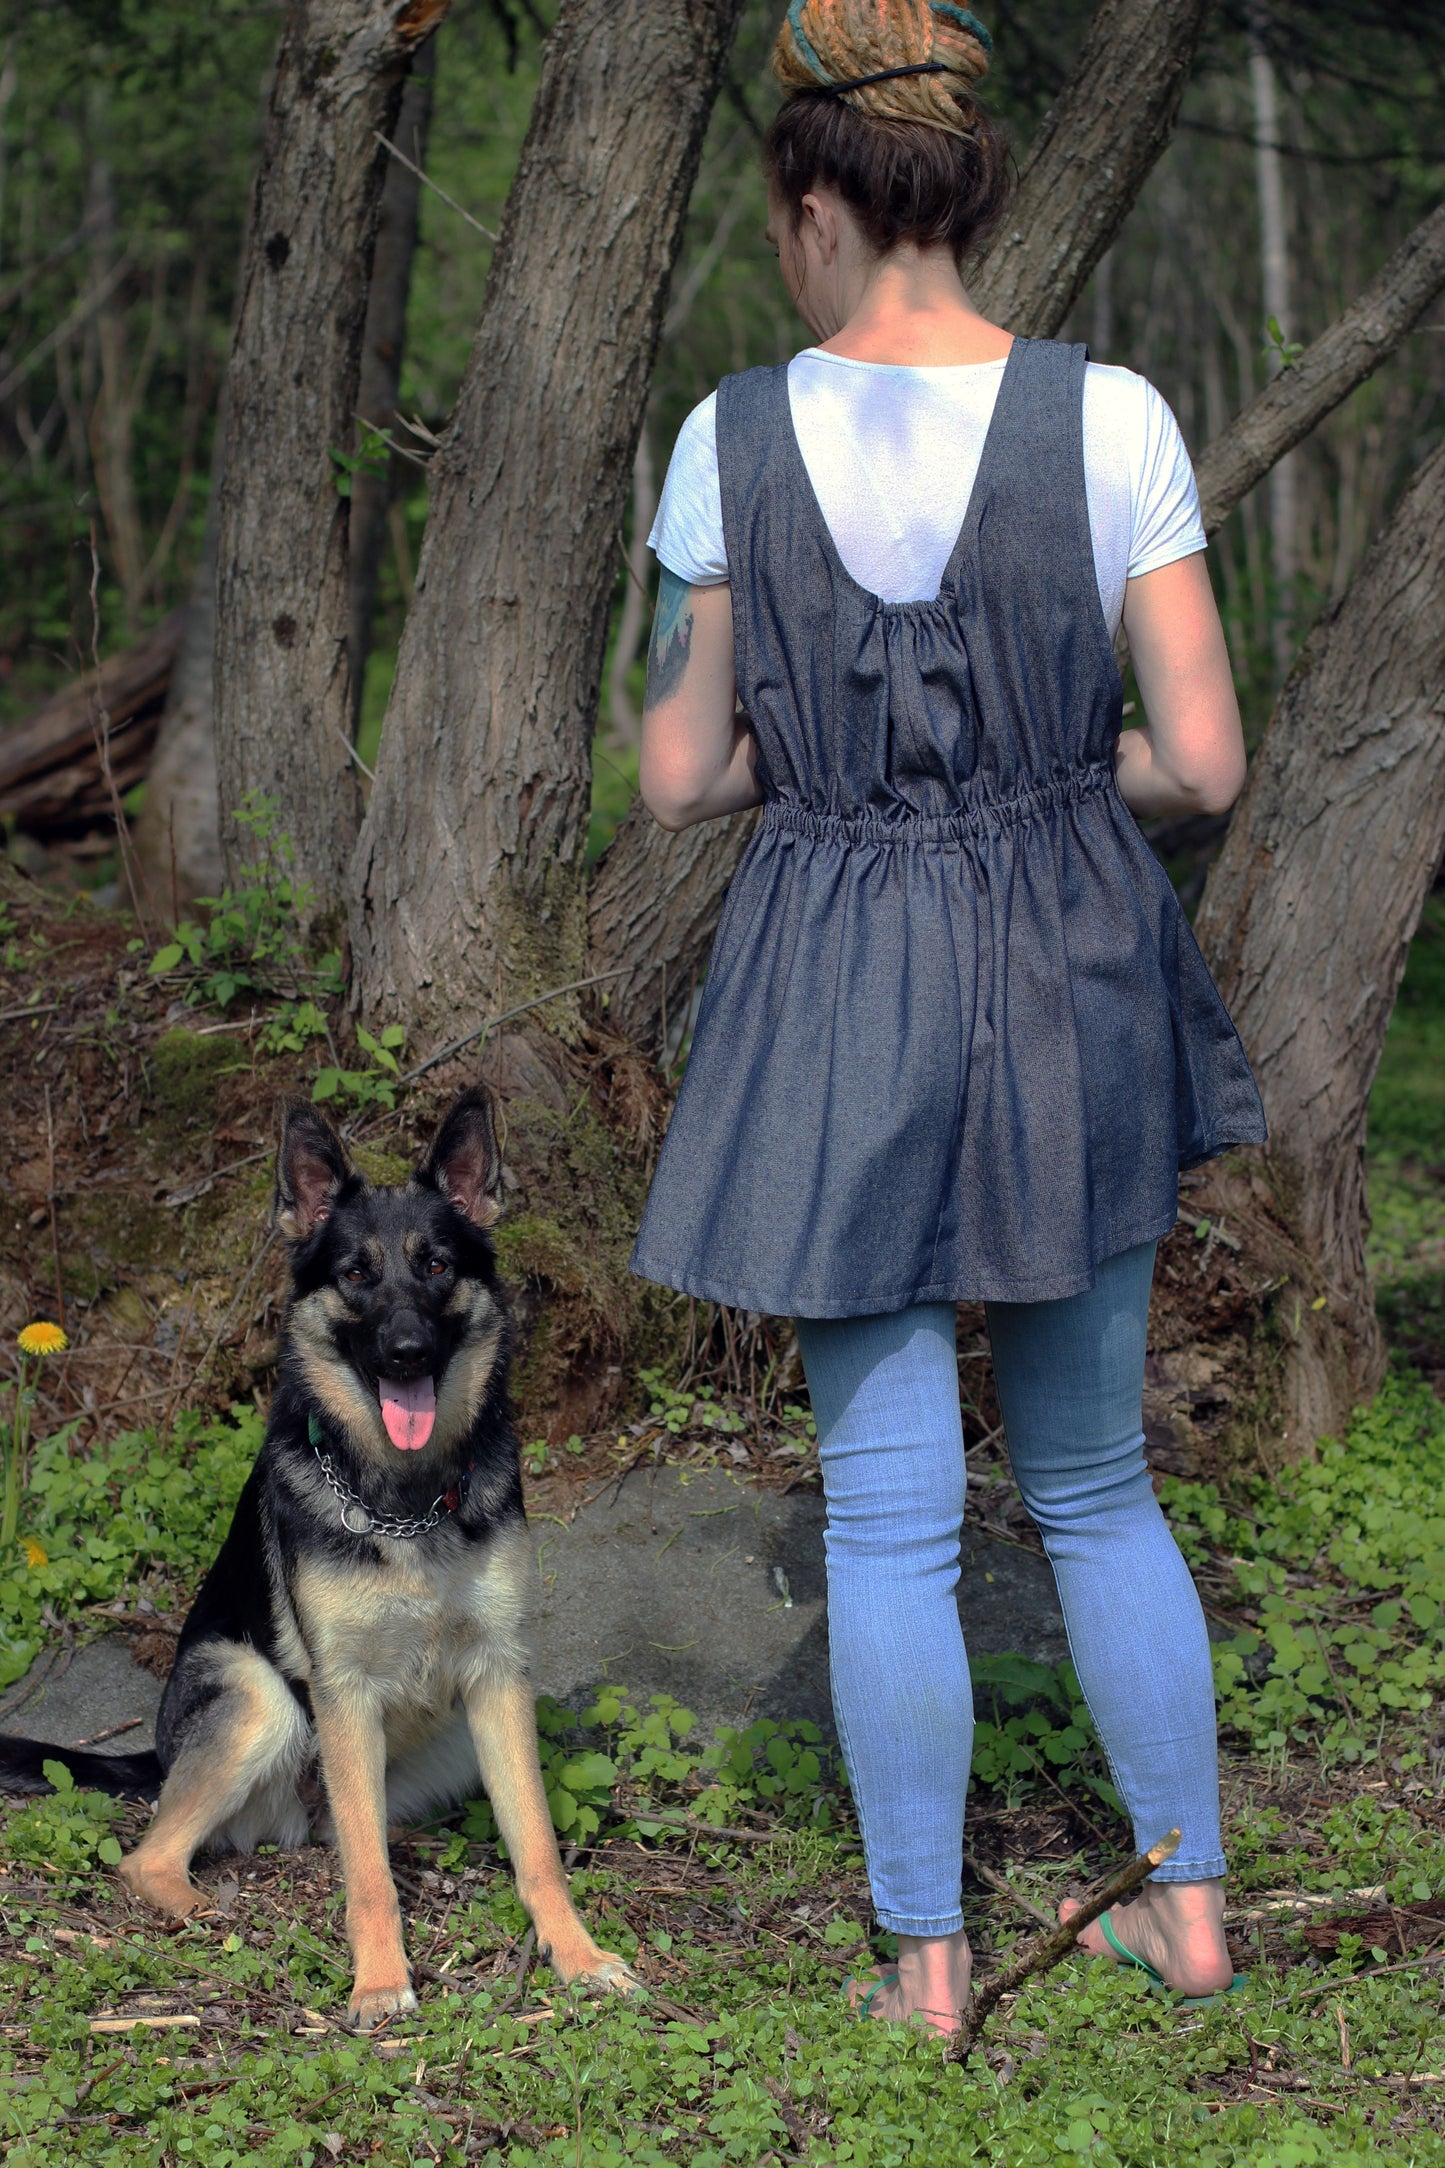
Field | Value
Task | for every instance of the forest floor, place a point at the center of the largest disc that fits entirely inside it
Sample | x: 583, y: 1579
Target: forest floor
x: 725, y: 1865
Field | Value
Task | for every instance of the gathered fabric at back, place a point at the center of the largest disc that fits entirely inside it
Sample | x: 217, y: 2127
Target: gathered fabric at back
x: 956, y: 1038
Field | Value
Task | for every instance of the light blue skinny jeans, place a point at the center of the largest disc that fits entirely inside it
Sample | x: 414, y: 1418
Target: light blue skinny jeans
x: 890, y: 1434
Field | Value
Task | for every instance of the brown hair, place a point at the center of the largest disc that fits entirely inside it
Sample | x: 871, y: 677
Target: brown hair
x: 915, y: 157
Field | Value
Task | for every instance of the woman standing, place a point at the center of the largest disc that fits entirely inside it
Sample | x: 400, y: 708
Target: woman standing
x: 956, y: 1039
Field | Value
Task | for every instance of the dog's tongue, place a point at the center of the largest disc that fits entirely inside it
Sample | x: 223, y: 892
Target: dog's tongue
x: 408, y: 1409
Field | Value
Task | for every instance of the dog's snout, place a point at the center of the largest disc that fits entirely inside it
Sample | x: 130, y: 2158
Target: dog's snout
x: 406, y: 1345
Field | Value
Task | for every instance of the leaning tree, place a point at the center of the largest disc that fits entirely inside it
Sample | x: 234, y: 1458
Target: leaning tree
x: 282, y: 694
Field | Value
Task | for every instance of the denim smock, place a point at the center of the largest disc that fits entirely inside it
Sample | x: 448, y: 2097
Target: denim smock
x: 956, y: 1038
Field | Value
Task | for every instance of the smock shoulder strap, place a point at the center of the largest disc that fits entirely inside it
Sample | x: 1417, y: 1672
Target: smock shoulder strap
x: 752, y: 414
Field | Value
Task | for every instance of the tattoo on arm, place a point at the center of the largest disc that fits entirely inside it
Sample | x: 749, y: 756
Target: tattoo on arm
x: 671, y: 641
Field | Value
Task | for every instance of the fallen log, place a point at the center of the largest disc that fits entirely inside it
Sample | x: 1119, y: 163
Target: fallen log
x: 50, y: 771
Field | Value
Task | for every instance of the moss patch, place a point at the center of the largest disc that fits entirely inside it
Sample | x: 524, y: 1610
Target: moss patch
x: 184, y: 1070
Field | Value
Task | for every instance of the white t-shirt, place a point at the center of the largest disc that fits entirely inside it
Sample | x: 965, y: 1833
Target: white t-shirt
x: 892, y: 453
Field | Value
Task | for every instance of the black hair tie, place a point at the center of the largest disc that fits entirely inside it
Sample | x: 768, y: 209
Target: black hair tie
x: 884, y: 75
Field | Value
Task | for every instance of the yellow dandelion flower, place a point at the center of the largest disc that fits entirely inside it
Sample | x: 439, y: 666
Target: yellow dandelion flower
x: 36, y: 1553
x: 42, y: 1338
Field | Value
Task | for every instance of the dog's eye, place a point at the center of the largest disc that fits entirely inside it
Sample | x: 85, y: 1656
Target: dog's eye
x: 436, y: 1267
x: 354, y: 1273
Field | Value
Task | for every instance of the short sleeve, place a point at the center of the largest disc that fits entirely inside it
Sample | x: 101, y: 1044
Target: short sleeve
x: 687, y: 535
x: 1166, y: 523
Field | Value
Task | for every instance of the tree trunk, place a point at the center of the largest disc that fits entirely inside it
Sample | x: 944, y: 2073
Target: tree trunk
x: 381, y: 352
x: 51, y: 779
x: 469, y: 877
x: 1275, y: 285
x: 1306, y: 920
x: 282, y: 699
x: 178, y: 832
x: 655, y: 898
x: 648, y: 908
x: 624, y: 722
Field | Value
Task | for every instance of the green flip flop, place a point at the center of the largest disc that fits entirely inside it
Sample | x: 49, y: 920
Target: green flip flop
x: 1129, y: 1958
x: 862, y: 2008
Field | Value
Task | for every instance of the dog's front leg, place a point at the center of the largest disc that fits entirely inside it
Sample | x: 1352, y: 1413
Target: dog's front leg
x: 352, y: 1741
x: 503, y: 1725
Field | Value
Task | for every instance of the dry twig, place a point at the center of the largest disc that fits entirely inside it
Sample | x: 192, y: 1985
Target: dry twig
x: 1005, y: 1888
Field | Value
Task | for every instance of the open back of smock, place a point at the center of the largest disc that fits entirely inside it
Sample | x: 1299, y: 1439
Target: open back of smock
x: 957, y: 1038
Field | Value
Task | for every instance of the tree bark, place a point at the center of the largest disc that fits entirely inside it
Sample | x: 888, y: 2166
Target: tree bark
x: 1325, y: 373
x: 624, y: 722
x: 282, y: 699
x: 178, y: 833
x: 648, y: 908
x: 1306, y: 921
x: 1275, y: 286
x: 655, y: 898
x: 1097, y: 146
x: 381, y: 351
x: 468, y: 877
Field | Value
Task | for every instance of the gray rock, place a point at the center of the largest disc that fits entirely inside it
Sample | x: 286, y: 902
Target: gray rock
x: 677, y: 1583
x: 693, y: 1585
x: 67, y: 1696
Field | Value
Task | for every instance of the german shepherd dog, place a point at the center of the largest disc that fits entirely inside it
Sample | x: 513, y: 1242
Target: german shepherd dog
x: 365, y: 1611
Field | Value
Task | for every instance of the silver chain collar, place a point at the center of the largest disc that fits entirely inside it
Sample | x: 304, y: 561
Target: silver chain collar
x: 401, y: 1526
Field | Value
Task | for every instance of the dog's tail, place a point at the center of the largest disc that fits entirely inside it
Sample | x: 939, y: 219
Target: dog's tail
x: 125, y: 1776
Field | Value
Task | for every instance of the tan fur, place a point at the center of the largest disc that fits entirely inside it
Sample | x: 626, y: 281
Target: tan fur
x: 253, y: 1739
x: 504, y: 1732
x: 353, y: 1760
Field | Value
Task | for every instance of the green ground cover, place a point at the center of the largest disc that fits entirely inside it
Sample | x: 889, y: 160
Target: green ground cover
x: 729, y: 1868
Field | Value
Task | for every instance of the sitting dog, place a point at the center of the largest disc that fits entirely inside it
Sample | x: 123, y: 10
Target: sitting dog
x: 365, y: 1610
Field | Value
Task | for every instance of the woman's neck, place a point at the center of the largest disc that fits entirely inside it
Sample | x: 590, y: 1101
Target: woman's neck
x: 910, y: 307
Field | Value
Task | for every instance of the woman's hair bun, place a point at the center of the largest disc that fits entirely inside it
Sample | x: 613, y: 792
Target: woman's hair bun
x: 828, y: 42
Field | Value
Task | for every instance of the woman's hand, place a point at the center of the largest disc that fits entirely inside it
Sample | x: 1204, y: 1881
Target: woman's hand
x: 1189, y: 756
x: 698, y: 753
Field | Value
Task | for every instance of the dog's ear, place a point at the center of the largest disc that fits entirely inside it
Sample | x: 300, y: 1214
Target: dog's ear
x: 466, y: 1162
x: 310, y: 1168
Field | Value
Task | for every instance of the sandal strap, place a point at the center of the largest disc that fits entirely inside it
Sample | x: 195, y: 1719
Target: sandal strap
x: 1124, y: 1954
x: 884, y: 1979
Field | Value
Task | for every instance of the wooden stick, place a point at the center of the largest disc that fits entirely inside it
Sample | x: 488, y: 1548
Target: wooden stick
x: 140, y: 2024
x: 1046, y: 1950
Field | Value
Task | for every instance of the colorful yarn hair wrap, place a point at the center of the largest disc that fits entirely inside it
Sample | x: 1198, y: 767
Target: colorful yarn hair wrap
x: 891, y: 59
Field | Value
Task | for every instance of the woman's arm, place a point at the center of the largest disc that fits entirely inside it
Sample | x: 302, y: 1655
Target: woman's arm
x: 698, y: 752
x: 1189, y: 756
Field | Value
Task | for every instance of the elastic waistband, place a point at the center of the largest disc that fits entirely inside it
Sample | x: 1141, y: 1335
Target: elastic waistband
x: 980, y: 816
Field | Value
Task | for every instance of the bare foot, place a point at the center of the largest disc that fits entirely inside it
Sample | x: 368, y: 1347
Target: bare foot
x: 1177, y: 1927
x: 930, y: 1987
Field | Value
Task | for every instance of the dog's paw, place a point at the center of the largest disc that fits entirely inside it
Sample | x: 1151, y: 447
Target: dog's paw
x: 166, y: 1889
x: 602, y: 1972
x: 368, y: 2006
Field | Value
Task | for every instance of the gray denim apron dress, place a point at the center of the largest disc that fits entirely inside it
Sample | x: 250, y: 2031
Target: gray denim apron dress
x: 956, y: 1039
